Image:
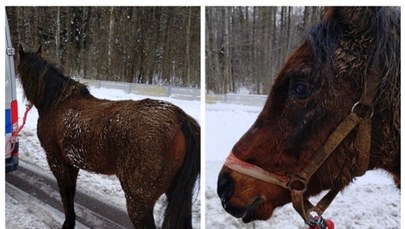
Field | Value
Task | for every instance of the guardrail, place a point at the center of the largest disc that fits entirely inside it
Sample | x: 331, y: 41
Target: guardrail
x: 252, y: 100
x: 177, y: 92
x: 144, y: 89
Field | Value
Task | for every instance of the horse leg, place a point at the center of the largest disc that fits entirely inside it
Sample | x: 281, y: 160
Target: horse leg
x: 149, y: 220
x: 174, y: 202
x: 140, y: 211
x: 66, y: 176
x: 140, y: 199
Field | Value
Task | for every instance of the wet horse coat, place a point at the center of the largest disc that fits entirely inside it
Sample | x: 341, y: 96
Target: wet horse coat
x: 152, y: 146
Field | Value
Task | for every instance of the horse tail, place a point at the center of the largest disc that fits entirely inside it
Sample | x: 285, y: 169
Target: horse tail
x: 178, y: 212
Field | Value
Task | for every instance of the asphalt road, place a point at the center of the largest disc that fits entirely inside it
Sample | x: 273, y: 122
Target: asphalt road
x: 26, y: 182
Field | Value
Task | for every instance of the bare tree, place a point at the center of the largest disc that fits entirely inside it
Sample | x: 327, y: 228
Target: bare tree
x: 246, y: 46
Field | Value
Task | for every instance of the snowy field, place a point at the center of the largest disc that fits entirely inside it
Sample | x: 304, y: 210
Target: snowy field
x: 372, y: 201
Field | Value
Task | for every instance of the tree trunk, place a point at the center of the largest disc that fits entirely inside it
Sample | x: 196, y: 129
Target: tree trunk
x: 188, y: 39
x: 226, y: 51
x: 110, y: 42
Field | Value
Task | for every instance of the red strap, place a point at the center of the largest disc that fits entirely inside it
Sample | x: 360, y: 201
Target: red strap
x: 14, y: 135
x: 251, y: 170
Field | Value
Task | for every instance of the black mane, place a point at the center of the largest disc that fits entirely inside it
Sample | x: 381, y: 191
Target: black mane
x: 323, y: 39
x: 380, y: 28
x: 44, y: 84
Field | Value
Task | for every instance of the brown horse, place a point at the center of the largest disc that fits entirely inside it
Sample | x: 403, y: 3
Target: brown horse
x: 333, y: 113
x: 152, y: 146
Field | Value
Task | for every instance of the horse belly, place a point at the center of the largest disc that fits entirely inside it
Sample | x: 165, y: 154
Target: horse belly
x: 91, y: 159
x: 73, y: 149
x: 85, y: 148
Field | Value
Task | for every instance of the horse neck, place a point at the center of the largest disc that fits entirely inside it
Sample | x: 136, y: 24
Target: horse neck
x: 387, y: 102
x: 385, y: 152
x: 55, y: 89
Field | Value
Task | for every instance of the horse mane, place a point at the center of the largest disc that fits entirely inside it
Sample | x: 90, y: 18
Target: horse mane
x: 381, y: 27
x: 322, y: 39
x: 44, y: 84
x: 378, y: 28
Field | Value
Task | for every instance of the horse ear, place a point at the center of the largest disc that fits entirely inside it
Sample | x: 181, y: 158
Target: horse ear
x: 327, y: 14
x: 40, y: 51
x: 21, y: 50
x: 353, y: 17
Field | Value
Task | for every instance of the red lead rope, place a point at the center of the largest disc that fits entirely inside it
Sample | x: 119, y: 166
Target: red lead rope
x: 14, y: 135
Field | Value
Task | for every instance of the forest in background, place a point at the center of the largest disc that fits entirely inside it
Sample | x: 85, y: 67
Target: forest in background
x: 246, y: 46
x: 151, y: 45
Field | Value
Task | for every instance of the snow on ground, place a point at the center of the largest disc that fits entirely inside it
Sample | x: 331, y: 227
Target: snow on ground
x: 372, y: 201
x: 103, y: 187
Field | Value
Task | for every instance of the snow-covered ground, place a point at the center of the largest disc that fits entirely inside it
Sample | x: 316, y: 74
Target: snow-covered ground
x: 372, y: 201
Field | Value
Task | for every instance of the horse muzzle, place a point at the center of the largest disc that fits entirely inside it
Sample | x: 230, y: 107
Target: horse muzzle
x: 225, y: 192
x: 225, y: 187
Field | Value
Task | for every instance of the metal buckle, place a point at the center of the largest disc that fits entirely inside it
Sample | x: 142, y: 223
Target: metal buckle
x: 297, y: 183
x: 317, y: 222
x: 370, y: 107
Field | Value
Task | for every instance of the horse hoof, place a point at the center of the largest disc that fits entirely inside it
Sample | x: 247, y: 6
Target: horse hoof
x: 68, y: 225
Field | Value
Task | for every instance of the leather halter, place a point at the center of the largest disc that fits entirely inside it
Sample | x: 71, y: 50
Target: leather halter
x: 297, y: 183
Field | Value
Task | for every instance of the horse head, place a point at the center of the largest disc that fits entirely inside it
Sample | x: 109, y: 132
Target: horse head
x: 44, y: 84
x: 31, y: 70
x: 314, y: 132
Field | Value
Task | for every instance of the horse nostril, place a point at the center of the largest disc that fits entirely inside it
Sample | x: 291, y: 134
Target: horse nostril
x: 225, y: 188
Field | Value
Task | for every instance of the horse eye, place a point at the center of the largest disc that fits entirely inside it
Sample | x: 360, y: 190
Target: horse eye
x: 300, y: 90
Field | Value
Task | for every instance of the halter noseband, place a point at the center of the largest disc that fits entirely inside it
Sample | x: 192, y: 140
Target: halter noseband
x: 360, y: 115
